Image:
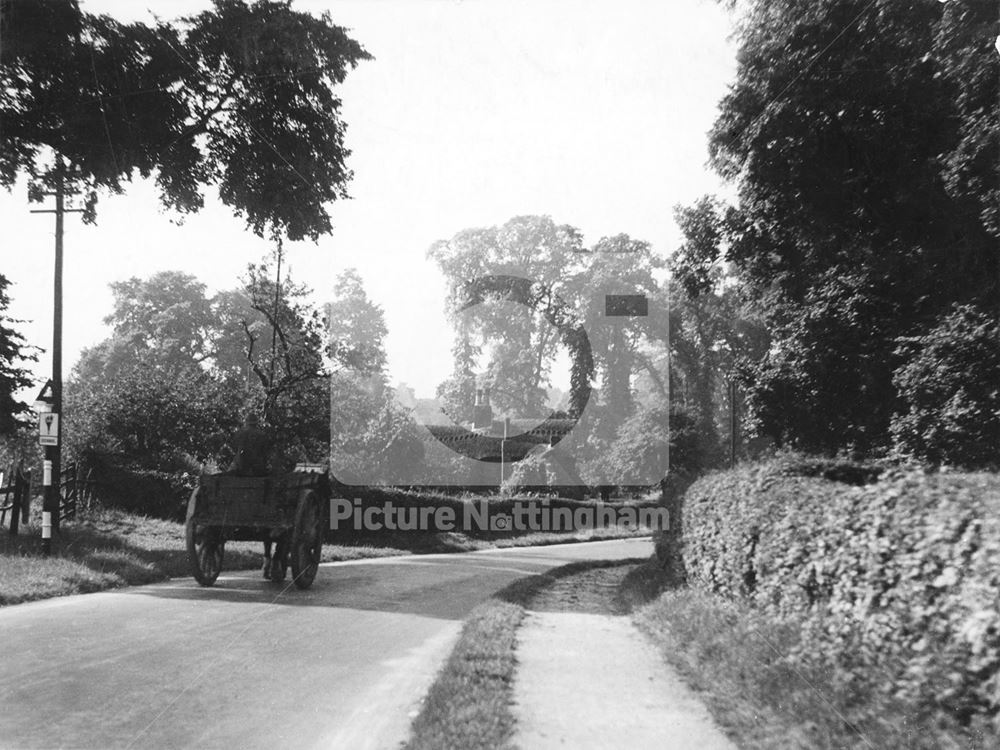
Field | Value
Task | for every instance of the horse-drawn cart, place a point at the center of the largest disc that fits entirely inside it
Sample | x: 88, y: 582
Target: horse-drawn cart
x: 287, y: 510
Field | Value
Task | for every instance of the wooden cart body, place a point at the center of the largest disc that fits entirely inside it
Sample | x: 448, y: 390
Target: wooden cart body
x: 288, y: 509
x: 247, y: 507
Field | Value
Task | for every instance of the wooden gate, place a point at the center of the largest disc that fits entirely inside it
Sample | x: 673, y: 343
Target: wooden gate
x: 77, y: 490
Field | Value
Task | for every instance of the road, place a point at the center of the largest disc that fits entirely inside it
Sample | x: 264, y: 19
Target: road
x: 247, y: 664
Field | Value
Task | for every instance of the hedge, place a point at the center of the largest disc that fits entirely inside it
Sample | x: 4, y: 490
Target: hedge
x: 896, y: 584
x: 157, y: 494
x: 460, y: 506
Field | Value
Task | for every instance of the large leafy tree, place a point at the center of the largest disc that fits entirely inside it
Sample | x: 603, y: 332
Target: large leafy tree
x: 512, y: 325
x: 14, y: 353
x: 862, y: 137
x: 175, y: 354
x: 148, y: 417
x: 146, y: 395
x: 371, y: 435
x: 241, y: 96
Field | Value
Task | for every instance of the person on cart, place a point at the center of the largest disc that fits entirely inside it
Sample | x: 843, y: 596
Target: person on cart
x: 252, y: 448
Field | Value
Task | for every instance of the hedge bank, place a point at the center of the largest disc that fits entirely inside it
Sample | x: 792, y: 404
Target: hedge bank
x: 896, y: 584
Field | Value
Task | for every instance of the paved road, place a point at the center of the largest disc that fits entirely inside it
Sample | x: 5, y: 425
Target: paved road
x: 242, y: 664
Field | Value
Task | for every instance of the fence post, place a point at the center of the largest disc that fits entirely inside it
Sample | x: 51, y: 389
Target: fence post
x: 25, y: 495
x: 15, y: 511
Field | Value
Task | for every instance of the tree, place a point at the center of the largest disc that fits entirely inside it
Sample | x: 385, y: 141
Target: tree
x: 371, y: 435
x: 283, y: 343
x: 13, y: 375
x: 495, y: 313
x: 862, y: 138
x: 356, y: 327
x: 241, y: 96
x: 372, y: 439
x: 660, y: 440
x: 174, y: 354
x: 617, y: 265
x: 148, y: 417
x: 167, y: 315
x: 949, y: 384
x: 146, y: 397
x: 458, y: 392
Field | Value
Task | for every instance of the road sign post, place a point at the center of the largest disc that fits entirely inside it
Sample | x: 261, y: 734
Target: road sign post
x: 48, y: 428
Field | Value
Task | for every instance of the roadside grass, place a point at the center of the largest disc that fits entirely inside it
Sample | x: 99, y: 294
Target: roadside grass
x: 469, y: 704
x: 105, y: 549
x: 438, y: 542
x: 764, y: 698
x: 109, y: 548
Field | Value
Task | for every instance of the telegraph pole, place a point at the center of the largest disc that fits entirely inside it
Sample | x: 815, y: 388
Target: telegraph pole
x: 733, y: 422
x: 52, y: 464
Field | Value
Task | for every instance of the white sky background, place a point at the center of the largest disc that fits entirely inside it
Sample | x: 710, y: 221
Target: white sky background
x: 473, y: 112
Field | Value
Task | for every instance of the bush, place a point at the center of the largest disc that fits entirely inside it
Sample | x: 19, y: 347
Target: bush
x: 950, y: 391
x: 158, y: 494
x: 896, y: 584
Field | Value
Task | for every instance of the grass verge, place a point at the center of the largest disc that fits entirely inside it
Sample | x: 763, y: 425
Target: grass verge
x: 112, y: 548
x: 469, y: 704
x: 761, y: 693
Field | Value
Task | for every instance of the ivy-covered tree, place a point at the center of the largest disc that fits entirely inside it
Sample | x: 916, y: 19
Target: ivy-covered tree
x: 508, y: 321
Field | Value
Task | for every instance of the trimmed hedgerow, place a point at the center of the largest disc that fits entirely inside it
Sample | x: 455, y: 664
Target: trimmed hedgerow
x: 896, y: 584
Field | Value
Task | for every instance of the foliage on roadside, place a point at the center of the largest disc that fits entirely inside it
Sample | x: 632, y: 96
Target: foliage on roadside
x: 896, y: 584
x: 468, y: 705
x: 230, y: 97
x: 949, y: 385
x: 740, y: 659
x: 867, y: 209
x: 14, y: 375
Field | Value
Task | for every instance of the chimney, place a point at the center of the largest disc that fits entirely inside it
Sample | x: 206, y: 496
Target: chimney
x: 482, y: 414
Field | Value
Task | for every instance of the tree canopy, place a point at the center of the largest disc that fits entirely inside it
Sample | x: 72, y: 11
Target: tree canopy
x: 180, y: 368
x: 863, y: 139
x: 241, y: 96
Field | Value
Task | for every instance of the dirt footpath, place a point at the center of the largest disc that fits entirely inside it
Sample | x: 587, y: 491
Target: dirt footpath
x: 587, y: 678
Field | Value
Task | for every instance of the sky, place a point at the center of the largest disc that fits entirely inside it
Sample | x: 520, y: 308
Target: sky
x: 475, y: 111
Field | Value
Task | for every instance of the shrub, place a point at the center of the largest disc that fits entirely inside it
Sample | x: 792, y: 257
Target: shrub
x: 896, y: 583
x: 158, y: 494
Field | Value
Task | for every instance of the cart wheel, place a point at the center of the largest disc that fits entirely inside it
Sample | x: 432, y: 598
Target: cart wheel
x: 279, y: 561
x: 204, y: 546
x: 307, y: 539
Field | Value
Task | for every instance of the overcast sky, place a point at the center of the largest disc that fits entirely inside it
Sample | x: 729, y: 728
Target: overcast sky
x: 472, y: 112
